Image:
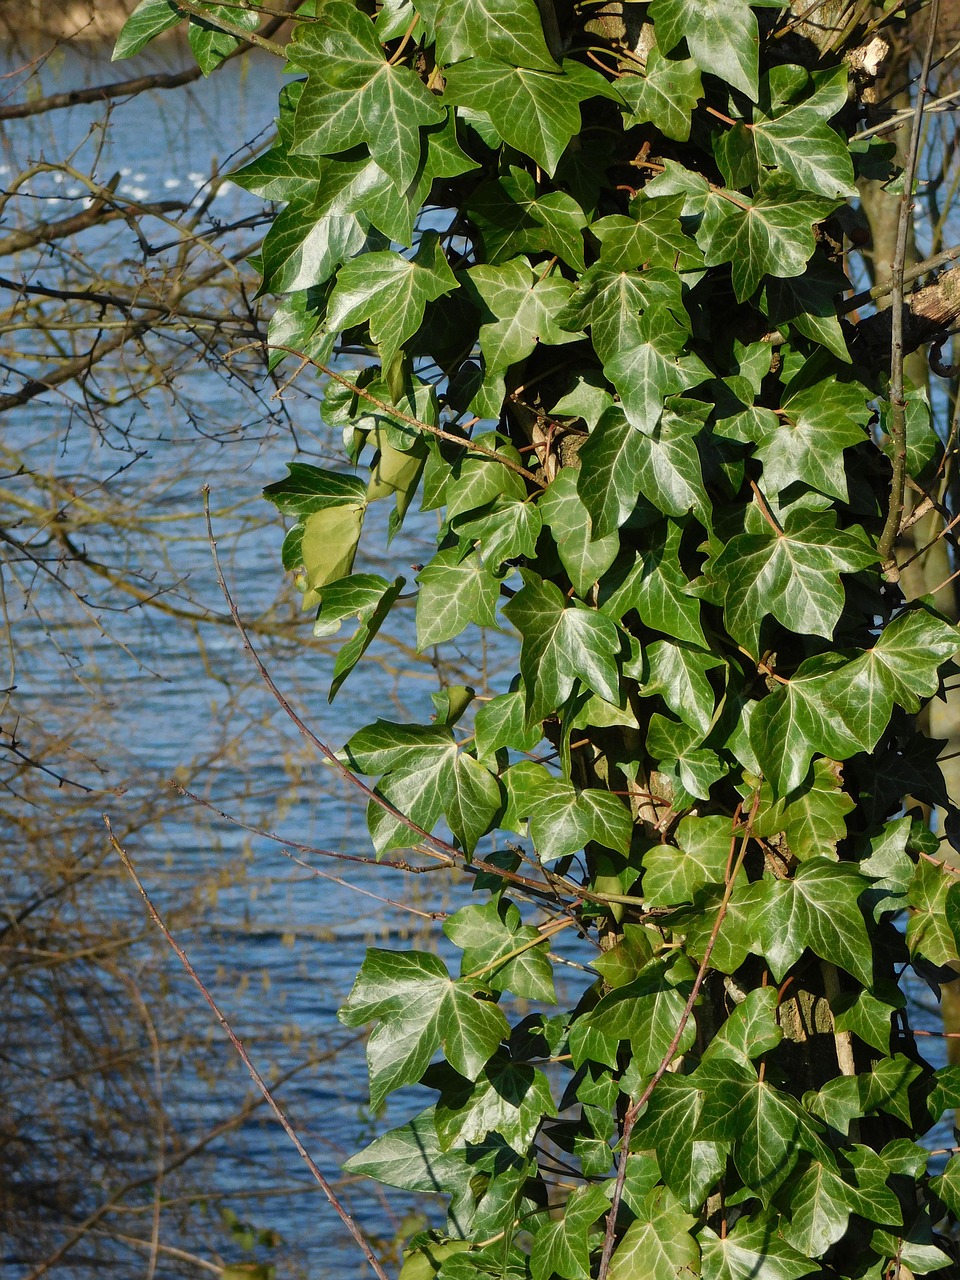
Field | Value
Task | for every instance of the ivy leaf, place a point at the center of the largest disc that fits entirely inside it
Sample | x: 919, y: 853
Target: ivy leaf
x: 651, y: 236
x: 476, y: 480
x: 678, y: 673
x: 508, y: 30
x: 507, y: 1098
x: 767, y: 1126
x: 670, y: 470
x: 753, y: 1250
x: 609, y: 303
x: 208, y: 43
x: 720, y: 34
x: 608, y: 479
x: 562, y: 819
x: 562, y: 1248
x: 816, y: 425
x: 561, y: 645
x: 867, y: 1015
x: 390, y: 292
x: 656, y: 586
x: 792, y: 573
x: 751, y: 1029
x: 585, y: 556
x: 648, y: 372
x: 672, y: 875
x: 797, y: 142
x: 149, y: 19
x: 507, y: 529
x: 455, y: 590
x: 658, y: 1244
x: 500, y: 723
x: 819, y: 908
x: 534, y: 111
x: 486, y: 934
x: 821, y: 1204
x: 524, y: 304
x: 670, y: 1127
x: 665, y: 95
x: 646, y: 1012
x: 512, y: 219
x: 307, y: 489
x: 770, y: 236
x: 471, y: 799
x: 353, y: 94
x: 419, y: 1009
x: 812, y: 819
x: 410, y: 1157
x: 808, y: 304
x: 372, y: 604
x: 928, y: 931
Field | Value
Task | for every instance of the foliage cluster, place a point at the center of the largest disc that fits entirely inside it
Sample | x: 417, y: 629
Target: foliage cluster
x: 588, y: 258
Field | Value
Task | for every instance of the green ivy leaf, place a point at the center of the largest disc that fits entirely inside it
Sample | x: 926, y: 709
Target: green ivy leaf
x: 455, y: 590
x: 670, y: 1127
x: 665, y: 95
x: 647, y: 373
x: 419, y: 1009
x: 673, y: 875
x: 537, y: 112
x: 792, y: 573
x: 513, y: 220
x: 645, y: 1012
x: 812, y: 820
x: 390, y: 292
x: 410, y: 1157
x: 560, y: 645
x: 585, y: 556
x: 753, y: 1250
x: 651, y: 236
x: 818, y: 909
x: 816, y: 425
x: 562, y: 1248
x: 508, y: 30
x: 928, y: 931
x: 770, y: 235
x: 562, y: 819
x: 609, y: 303
x: 658, y: 1244
x: 722, y: 35
x: 149, y: 19
x: 354, y: 94
x: 656, y: 586
x: 677, y: 672
x: 508, y: 1098
x: 486, y: 934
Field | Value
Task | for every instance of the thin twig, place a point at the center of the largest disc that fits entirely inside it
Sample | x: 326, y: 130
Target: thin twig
x: 255, y: 1075
x: 878, y: 291
x: 898, y: 404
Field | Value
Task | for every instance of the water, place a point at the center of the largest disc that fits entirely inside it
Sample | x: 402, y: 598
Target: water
x: 278, y: 946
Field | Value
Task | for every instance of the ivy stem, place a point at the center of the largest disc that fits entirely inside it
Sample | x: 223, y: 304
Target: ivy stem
x: 546, y: 932
x: 634, y: 1109
x: 398, y: 53
x: 400, y: 416
x: 231, y: 28
x: 896, y: 396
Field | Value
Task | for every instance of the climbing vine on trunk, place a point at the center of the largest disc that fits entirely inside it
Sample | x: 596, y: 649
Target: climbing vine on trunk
x: 593, y: 257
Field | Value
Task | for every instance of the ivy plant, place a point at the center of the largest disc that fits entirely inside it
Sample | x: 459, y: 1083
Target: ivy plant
x: 587, y: 259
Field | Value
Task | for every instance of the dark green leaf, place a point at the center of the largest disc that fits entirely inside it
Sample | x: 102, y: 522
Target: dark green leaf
x: 560, y: 645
